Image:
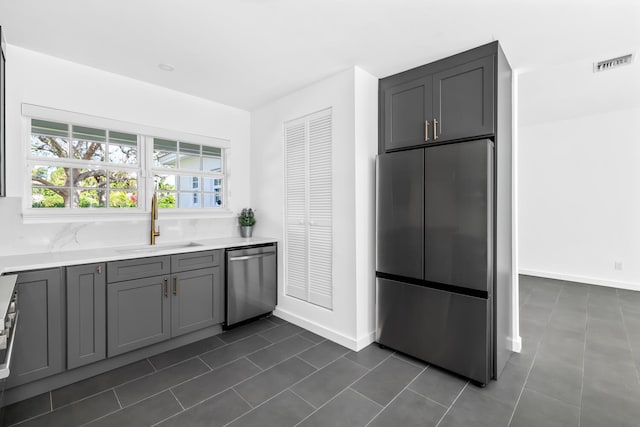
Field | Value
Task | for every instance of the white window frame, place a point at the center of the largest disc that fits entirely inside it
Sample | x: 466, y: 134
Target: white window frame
x: 145, y: 167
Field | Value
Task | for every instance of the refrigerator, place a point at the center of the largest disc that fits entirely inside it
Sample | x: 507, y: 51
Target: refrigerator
x: 435, y: 266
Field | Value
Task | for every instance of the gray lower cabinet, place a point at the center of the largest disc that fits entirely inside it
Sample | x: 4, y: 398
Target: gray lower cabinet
x: 147, y: 304
x: 138, y: 313
x: 86, y: 314
x: 40, y: 336
x: 197, y: 300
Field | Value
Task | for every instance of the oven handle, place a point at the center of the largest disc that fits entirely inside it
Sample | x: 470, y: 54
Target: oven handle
x: 6, y: 366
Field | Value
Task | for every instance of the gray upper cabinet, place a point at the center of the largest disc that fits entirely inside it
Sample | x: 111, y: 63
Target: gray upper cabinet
x: 407, y: 111
x: 464, y: 100
x: 40, y: 336
x: 138, y: 313
x: 447, y: 100
x: 197, y: 300
x: 86, y: 314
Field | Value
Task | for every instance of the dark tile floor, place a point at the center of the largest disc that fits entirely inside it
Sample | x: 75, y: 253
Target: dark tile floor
x: 579, y: 367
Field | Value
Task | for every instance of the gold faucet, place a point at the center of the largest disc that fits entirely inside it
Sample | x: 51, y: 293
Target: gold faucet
x: 154, y: 217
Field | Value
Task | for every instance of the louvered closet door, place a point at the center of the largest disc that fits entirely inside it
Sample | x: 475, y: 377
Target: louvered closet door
x: 296, y: 210
x: 320, y: 239
x: 309, y: 246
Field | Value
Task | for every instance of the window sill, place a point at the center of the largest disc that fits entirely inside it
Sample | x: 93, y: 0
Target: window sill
x: 95, y: 215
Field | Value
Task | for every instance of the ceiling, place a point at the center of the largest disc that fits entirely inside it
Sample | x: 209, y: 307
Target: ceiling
x: 245, y: 53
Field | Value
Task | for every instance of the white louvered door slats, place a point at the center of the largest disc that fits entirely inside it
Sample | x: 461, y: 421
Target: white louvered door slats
x: 309, y: 242
x: 296, y: 208
x: 320, y: 206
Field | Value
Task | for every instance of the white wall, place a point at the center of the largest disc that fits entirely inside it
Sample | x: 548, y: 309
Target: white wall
x: 43, y: 80
x: 578, y: 174
x: 579, y: 197
x: 351, y: 94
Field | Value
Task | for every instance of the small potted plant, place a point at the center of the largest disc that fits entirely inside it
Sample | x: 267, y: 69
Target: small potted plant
x: 247, y: 221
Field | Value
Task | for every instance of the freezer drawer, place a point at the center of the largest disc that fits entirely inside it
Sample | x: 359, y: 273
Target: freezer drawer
x: 251, y: 283
x: 443, y: 328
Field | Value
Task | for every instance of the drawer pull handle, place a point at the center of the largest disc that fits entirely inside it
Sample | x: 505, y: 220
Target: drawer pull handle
x: 175, y: 285
x: 426, y: 131
x: 435, y: 128
x: 166, y: 287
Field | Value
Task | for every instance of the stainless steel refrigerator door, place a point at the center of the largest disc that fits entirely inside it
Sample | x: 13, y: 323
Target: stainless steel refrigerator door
x: 251, y: 283
x: 444, y: 328
x: 400, y: 213
x: 458, y: 214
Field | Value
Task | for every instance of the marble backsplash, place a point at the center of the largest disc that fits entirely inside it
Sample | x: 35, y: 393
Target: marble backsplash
x: 17, y: 237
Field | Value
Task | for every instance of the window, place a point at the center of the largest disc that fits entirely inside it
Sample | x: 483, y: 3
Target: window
x: 81, y: 167
x: 187, y: 175
x: 74, y: 167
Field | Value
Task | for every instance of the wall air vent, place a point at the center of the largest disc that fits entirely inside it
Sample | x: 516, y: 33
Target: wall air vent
x: 612, y: 63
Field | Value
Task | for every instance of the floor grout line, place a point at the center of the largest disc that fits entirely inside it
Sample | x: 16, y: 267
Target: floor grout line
x: 396, y: 396
x: 369, y: 370
x: 303, y: 399
x: 453, y: 403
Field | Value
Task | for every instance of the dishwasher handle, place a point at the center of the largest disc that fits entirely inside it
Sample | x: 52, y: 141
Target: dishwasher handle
x: 246, y: 257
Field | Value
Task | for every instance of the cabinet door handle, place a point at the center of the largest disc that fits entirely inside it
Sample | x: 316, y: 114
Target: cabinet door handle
x: 435, y: 128
x: 175, y: 285
x: 426, y: 131
x: 99, y: 269
x: 166, y: 287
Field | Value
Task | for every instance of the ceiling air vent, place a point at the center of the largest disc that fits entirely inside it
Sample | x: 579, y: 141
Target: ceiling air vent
x: 612, y: 63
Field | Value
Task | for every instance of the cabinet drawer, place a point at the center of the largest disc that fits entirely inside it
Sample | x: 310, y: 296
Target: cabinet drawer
x: 118, y: 271
x: 195, y: 260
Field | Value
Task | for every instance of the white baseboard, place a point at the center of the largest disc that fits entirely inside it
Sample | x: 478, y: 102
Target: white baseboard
x: 352, y: 343
x: 581, y: 279
x: 516, y: 344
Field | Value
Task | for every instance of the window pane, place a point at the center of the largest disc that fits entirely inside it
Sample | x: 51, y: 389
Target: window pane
x: 44, y: 127
x: 166, y: 199
x: 48, y: 198
x: 165, y: 182
x: 190, y: 162
x: 90, y: 134
x: 89, y: 178
x: 189, y: 183
x: 212, y: 200
x: 164, y: 153
x: 123, y: 138
x: 90, y: 198
x: 123, y: 179
x: 88, y: 150
x: 190, y: 148
x: 189, y: 200
x: 48, y: 146
x: 49, y: 176
x: 123, y: 199
x: 123, y: 148
x: 212, y: 164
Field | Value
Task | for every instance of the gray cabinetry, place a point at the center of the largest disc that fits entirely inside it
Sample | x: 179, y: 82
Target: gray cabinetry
x: 148, y: 304
x: 197, y: 300
x: 86, y: 314
x: 407, y: 113
x: 446, y: 100
x: 138, y: 313
x: 39, y: 347
x: 464, y: 100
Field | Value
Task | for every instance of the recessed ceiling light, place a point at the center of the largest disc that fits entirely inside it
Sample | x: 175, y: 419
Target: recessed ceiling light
x: 166, y: 67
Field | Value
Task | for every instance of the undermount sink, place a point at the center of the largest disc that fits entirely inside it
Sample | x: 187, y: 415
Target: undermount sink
x: 157, y: 248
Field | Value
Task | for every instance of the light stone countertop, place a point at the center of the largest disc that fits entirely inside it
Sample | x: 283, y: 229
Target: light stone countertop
x: 37, y: 261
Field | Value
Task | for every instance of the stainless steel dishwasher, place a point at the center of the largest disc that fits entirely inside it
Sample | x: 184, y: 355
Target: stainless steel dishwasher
x: 251, y: 282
